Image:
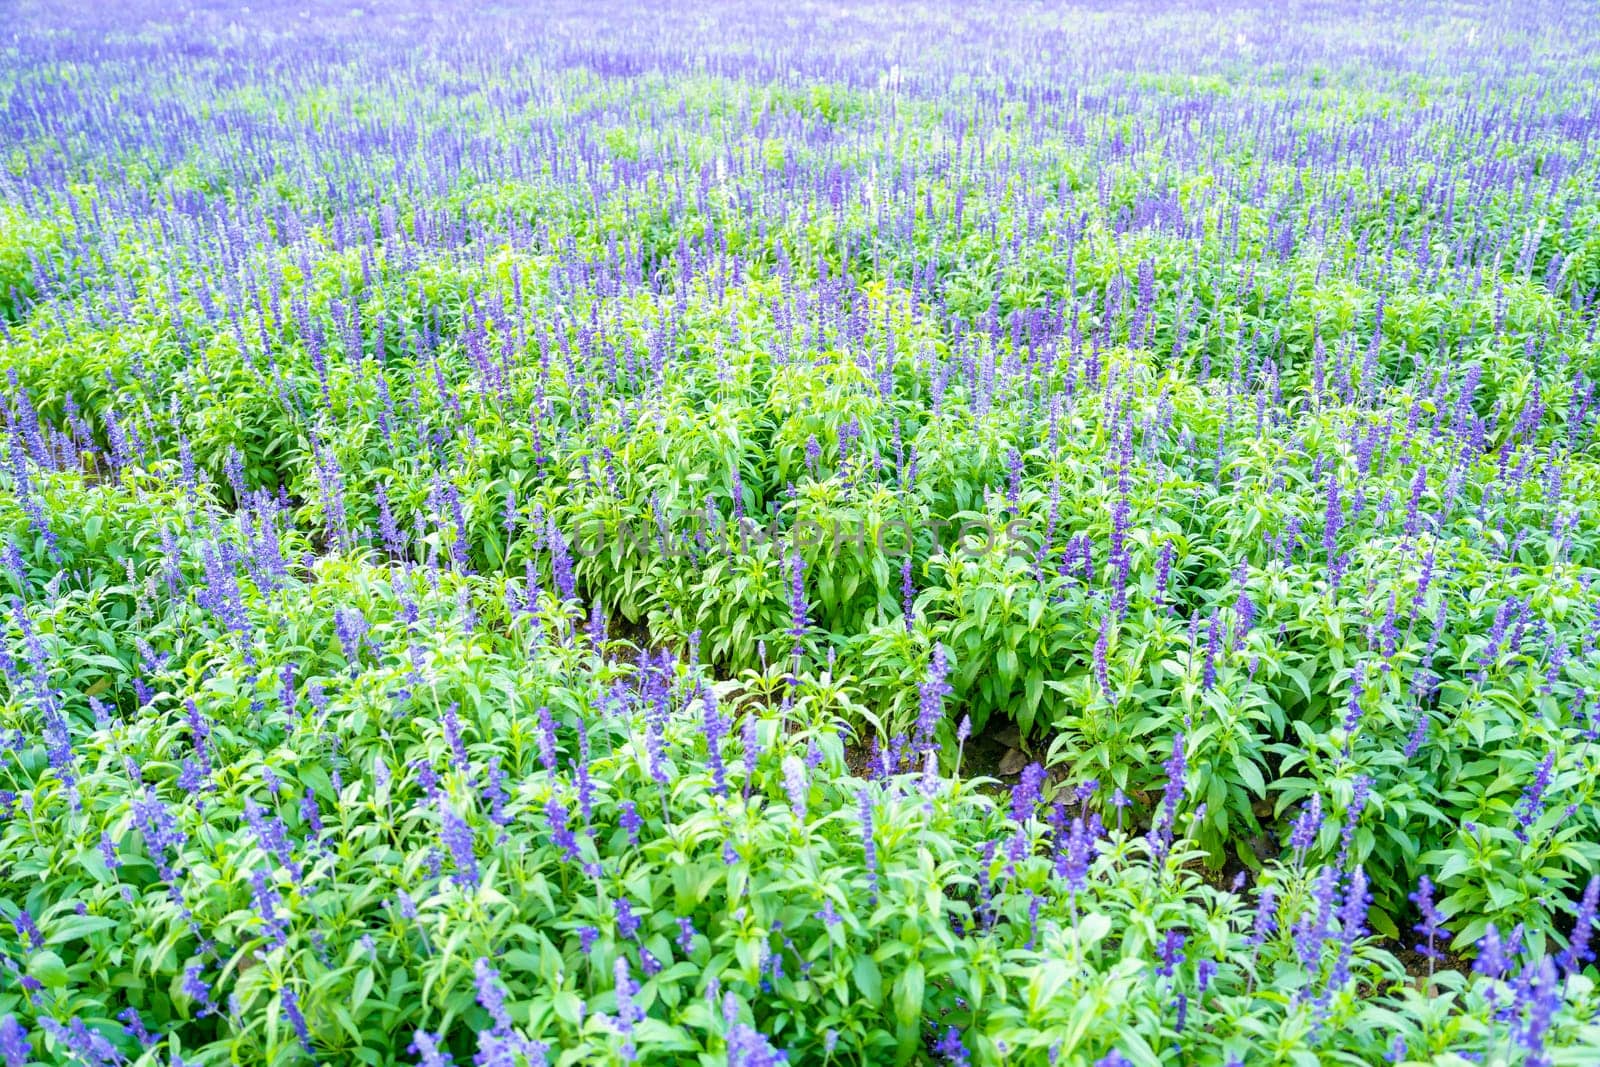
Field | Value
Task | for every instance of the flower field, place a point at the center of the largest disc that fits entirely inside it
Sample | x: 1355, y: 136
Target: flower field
x: 739, y: 533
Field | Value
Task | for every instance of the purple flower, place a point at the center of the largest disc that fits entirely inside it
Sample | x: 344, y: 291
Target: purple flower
x: 162, y: 837
x: 547, y: 740
x: 1208, y: 679
x: 628, y: 819
x: 1578, y: 951
x: 908, y: 592
x: 133, y: 1026
x: 1025, y: 797
x: 1494, y: 954
x: 561, y: 565
x: 267, y: 900
x: 1076, y: 854
x: 291, y: 1009
x: 750, y: 1048
x: 1531, y: 806
x: 930, y: 708
x: 1171, y: 952
x: 14, y: 1044
x: 796, y: 785
x: 1307, y: 827
x: 627, y: 1012
x: 1353, y: 711
x: 494, y: 791
x: 868, y: 845
x: 950, y: 1047
x: 195, y: 988
x: 627, y: 921
x: 560, y: 835
x: 28, y: 931
x: 1431, y: 926
x: 456, y: 836
x: 1266, y: 920
x: 491, y: 994
x: 799, y: 618
x: 1102, y: 671
x: 1177, y: 780
x: 272, y: 836
x: 1352, y: 926
x: 426, y: 1047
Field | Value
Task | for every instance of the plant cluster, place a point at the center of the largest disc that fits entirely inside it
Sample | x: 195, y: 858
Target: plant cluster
x: 514, y: 523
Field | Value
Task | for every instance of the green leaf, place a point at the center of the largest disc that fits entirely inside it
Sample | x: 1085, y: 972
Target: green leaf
x: 868, y: 980
x: 908, y: 994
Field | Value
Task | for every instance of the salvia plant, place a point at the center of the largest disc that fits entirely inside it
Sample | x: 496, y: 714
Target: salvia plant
x: 525, y: 530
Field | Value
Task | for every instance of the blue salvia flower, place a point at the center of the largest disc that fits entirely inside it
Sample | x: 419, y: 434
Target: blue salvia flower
x: 1494, y: 954
x: 556, y: 814
x: 628, y: 819
x: 1431, y: 926
x: 1531, y: 805
x: 162, y: 837
x: 291, y: 1010
x: 494, y: 791
x: 426, y: 1047
x: 931, y: 693
x: 1360, y: 791
x: 1102, y: 671
x: 350, y: 626
x: 796, y: 785
x: 1578, y: 951
x: 1171, y: 953
x: 1208, y: 679
x: 1311, y: 931
x: 908, y: 592
x: 1076, y: 854
x: 1538, y: 998
x: 133, y: 1026
x: 627, y: 921
x: 547, y: 740
x: 456, y: 836
x: 751, y: 741
x: 1306, y: 828
x: 748, y: 1047
x: 267, y: 900
x: 1352, y: 927
x: 628, y: 1012
x: 1353, y: 710
x: 930, y: 782
x: 686, y: 935
x: 799, y: 617
x: 561, y: 565
x: 585, y: 782
x: 108, y: 852
x: 1177, y: 780
x: 272, y: 836
x: 1025, y: 796
x: 28, y: 931
x: 89, y: 1046
x: 868, y: 845
x: 951, y: 1049
x: 1266, y: 919
x: 1163, y: 572
x: 310, y: 811
x: 198, y: 990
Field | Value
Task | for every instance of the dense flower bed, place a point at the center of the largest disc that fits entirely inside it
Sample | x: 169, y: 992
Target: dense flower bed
x: 517, y: 522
